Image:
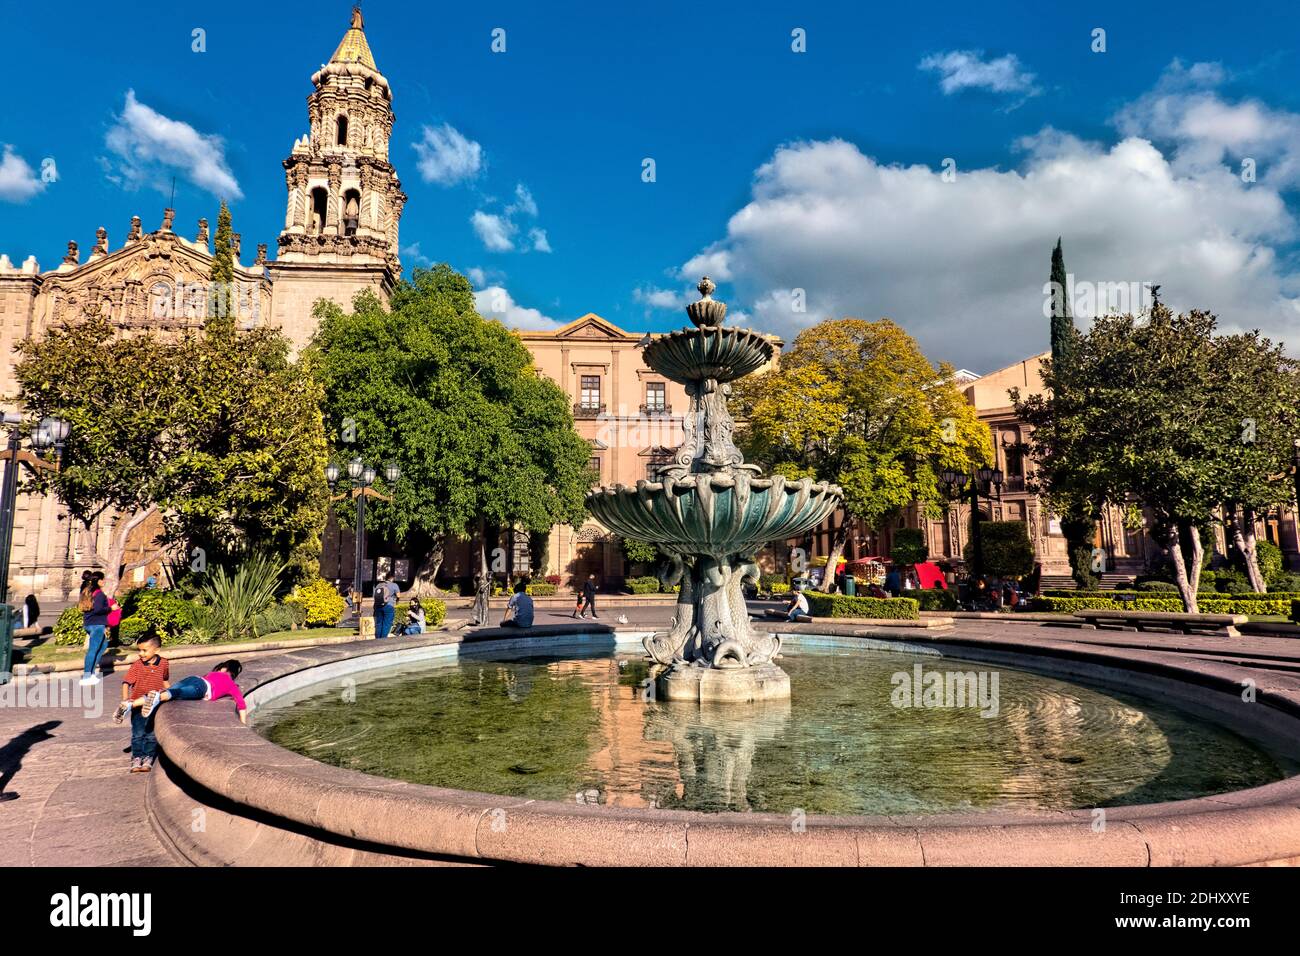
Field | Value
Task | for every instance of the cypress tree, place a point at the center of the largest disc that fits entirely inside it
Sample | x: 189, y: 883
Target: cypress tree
x: 221, y: 293
x: 1062, y: 321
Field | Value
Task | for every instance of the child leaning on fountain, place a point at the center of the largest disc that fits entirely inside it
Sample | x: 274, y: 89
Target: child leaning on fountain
x: 214, y: 685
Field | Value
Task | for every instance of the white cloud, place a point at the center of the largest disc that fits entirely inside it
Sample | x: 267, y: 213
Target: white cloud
x: 494, y: 231
x: 495, y: 302
x: 657, y: 298
x: 539, y: 240
x: 524, y: 202
x: 968, y: 70
x: 1203, y: 131
x: 18, y: 181
x: 151, y: 147
x: 961, y: 265
x: 447, y: 156
x: 497, y: 231
x: 413, y: 253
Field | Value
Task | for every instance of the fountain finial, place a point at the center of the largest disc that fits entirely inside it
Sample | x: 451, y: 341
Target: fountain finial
x: 708, y: 312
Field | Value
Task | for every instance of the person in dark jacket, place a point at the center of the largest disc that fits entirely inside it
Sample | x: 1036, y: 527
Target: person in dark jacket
x: 589, y: 596
x: 94, y: 606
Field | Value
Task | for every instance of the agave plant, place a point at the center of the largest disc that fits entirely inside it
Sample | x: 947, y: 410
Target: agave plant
x: 236, y: 601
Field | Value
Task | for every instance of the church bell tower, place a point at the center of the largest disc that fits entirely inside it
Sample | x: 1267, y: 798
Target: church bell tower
x: 344, y: 198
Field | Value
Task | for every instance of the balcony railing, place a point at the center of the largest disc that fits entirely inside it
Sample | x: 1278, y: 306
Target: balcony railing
x: 583, y: 410
x: 656, y: 409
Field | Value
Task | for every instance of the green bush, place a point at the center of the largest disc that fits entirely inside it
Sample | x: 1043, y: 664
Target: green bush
x: 934, y: 599
x: 1269, y: 558
x: 778, y: 587
x: 1287, y: 582
x: 174, y: 617
x: 320, y: 603
x: 909, y: 546
x: 237, y: 601
x: 1246, y: 596
x: 646, y: 585
x: 839, y: 605
x: 1158, y: 586
x: 132, y: 629
x: 541, y: 589
x: 68, y: 631
x: 434, y: 612
x: 277, y: 617
x: 1232, y: 582
x: 1267, y: 605
x: 1295, y: 610
x: 1005, y: 547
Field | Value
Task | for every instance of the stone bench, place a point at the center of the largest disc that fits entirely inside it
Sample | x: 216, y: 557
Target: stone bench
x: 1167, y: 622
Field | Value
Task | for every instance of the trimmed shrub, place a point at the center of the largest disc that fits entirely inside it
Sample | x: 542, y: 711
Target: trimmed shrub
x: 646, y: 585
x: 1232, y: 582
x: 1267, y: 605
x: 320, y: 603
x: 1006, y: 549
x: 778, y: 587
x: 554, y: 579
x: 1269, y: 558
x: 1157, y: 586
x: 277, y: 617
x: 1288, y: 582
x: 541, y: 589
x: 1247, y: 596
x: 840, y: 605
x: 174, y: 617
x: 132, y: 629
x: 434, y: 612
x: 68, y: 631
x: 934, y: 599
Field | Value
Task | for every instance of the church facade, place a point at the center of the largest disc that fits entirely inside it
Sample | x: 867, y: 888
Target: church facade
x: 339, y: 237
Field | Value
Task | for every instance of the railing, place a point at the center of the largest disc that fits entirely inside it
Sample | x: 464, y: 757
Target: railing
x: 1014, y: 483
x: 656, y: 409
x: 587, y: 411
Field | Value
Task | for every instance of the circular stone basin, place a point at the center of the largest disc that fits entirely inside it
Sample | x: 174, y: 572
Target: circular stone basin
x: 581, y: 725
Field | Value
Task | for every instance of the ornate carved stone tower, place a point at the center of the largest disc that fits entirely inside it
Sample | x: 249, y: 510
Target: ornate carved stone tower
x: 345, y: 200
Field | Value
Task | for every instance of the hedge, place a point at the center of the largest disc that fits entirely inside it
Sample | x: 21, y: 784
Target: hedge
x: 839, y: 605
x: 646, y: 585
x: 934, y: 599
x: 1224, y: 605
x: 1152, y: 596
x: 541, y: 589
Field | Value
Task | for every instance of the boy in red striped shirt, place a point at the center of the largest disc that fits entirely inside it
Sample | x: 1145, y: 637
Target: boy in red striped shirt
x: 149, y: 672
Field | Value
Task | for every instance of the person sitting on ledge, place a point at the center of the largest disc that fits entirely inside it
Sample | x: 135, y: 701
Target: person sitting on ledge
x: 798, y: 605
x: 414, y: 617
x: 519, y: 612
x: 212, y: 686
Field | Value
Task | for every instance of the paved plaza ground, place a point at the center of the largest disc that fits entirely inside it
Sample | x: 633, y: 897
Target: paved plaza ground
x: 66, y: 798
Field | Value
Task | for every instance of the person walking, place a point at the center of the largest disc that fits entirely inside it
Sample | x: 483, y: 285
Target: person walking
x: 588, y: 598
x: 385, y: 596
x: 95, y: 608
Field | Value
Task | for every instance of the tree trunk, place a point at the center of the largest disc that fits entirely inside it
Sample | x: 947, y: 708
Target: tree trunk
x: 1185, y: 589
x: 112, y: 561
x: 1198, y: 555
x: 539, y: 547
x: 1243, y: 538
x: 426, y: 573
x: 838, y: 542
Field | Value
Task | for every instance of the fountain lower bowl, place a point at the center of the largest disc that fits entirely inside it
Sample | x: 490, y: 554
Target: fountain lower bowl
x: 717, y: 514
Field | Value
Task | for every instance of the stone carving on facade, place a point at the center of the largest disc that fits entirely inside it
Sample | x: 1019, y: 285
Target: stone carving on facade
x: 169, y: 217
x: 134, y: 234
x: 72, y: 257
x: 202, y: 238
x: 101, y: 243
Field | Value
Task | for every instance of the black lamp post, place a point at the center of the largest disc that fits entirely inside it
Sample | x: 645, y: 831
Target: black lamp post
x: 360, y: 478
x: 49, y: 433
x: 991, y: 480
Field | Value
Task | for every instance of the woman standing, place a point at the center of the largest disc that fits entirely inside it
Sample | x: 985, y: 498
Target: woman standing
x: 95, y: 608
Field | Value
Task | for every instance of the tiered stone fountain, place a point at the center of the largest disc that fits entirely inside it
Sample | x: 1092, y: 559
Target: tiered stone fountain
x: 709, y: 512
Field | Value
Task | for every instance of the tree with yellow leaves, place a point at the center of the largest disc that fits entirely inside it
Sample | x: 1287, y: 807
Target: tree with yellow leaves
x: 856, y: 403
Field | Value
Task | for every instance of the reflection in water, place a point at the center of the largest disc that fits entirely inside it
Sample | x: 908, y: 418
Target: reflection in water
x: 588, y: 729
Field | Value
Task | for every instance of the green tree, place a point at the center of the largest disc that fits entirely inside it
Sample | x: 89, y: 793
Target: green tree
x: 1063, y: 330
x: 482, y: 439
x: 221, y: 439
x: 856, y: 403
x: 639, y: 552
x: 221, y: 292
x: 1153, y: 406
x: 909, y: 547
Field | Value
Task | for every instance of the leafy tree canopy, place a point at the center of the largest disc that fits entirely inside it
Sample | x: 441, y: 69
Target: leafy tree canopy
x: 455, y: 401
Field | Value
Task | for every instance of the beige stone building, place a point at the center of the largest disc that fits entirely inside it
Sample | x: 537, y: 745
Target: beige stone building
x: 340, y: 236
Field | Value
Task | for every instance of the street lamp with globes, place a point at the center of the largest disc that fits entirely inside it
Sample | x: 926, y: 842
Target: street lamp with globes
x: 360, y: 479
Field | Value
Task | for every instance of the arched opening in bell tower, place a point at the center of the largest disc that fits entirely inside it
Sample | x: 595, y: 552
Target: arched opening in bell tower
x: 342, y: 129
x: 319, y: 211
x: 351, y: 212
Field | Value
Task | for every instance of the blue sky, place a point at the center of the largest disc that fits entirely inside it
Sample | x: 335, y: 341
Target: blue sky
x: 810, y: 179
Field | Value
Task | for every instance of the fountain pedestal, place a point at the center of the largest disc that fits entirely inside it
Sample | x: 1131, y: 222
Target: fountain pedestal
x: 723, y: 685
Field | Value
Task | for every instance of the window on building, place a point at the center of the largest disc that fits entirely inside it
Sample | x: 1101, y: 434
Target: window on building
x: 590, y: 392
x: 342, y: 139
x: 656, y: 396
x: 594, y: 463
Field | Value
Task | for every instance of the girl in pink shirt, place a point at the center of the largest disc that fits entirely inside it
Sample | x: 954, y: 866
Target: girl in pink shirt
x: 212, y: 686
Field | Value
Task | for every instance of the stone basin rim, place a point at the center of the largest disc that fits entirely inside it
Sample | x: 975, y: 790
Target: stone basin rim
x: 1257, y: 825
